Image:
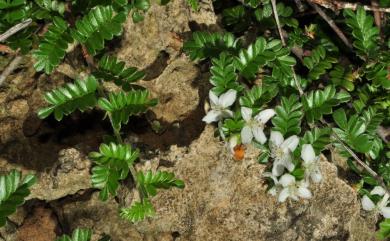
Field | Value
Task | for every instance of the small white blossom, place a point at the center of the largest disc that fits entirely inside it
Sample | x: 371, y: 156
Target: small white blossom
x: 292, y: 189
x: 254, y: 127
x: 381, y: 206
x: 311, y: 162
x: 277, y: 186
x: 281, y: 152
x: 219, y: 106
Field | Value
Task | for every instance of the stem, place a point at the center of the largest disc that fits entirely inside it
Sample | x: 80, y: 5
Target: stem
x: 4, y: 36
x: 337, y: 5
x: 331, y: 24
x: 273, y: 2
x: 119, y: 139
x: 10, y: 68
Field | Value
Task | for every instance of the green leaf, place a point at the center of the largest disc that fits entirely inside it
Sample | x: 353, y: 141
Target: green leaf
x: 65, y: 100
x: 122, y: 105
x: 143, y: 5
x: 318, y: 62
x: 258, y: 96
x: 288, y: 116
x: 78, y: 235
x: 112, y: 165
x: 13, y: 191
x: 138, y: 212
x: 99, y: 25
x: 318, y: 138
x: 110, y: 69
x: 150, y: 182
x: 194, y: 4
x: 204, y: 45
x: 384, y: 229
x: 53, y: 47
x: 363, y: 31
x: 319, y: 102
x: 343, y: 77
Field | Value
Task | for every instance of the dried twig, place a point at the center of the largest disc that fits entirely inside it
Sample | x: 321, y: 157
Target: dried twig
x: 337, y: 5
x: 273, y: 2
x: 15, y: 29
x: 10, y: 68
x: 331, y: 24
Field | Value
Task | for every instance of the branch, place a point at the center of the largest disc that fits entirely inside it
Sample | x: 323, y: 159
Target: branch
x: 4, y: 36
x: 337, y: 5
x: 331, y: 24
x: 273, y: 2
x: 10, y: 68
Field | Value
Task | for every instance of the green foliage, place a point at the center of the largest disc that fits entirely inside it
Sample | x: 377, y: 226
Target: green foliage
x: 258, y: 96
x: 138, y: 211
x: 110, y: 69
x: 236, y: 18
x: 100, y: 24
x: 318, y: 138
x: 352, y: 131
x: 384, y: 229
x: 320, y: 102
x: 204, y: 45
x: 65, y: 100
x: 122, y: 105
x: 149, y: 182
x: 112, y: 165
x: 194, y: 4
x: 52, y: 48
x: 318, y: 62
x: 265, y: 16
x: 343, y: 77
x: 224, y: 75
x: 363, y: 30
x: 78, y: 235
x: 378, y: 74
x: 288, y: 116
x: 13, y: 191
x: 51, y: 5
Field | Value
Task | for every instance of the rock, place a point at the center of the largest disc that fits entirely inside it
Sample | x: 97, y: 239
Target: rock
x: 69, y: 177
x: 40, y: 226
x: 227, y: 200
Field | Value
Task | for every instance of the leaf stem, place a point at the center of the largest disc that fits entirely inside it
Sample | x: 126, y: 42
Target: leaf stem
x: 275, y: 11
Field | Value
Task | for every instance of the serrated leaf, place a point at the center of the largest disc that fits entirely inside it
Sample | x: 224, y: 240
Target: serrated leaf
x: 288, y: 116
x: 138, y: 212
x: 150, y: 182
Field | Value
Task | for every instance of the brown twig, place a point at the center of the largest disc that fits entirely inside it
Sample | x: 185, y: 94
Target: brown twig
x: 275, y: 11
x: 4, y: 36
x: 338, y: 5
x: 10, y: 68
x: 331, y: 24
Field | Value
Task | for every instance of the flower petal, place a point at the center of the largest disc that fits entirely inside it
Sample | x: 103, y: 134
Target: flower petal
x: 308, y: 155
x: 273, y: 191
x: 378, y: 190
x: 290, y: 143
x: 265, y: 115
x: 276, y: 138
x: 304, y: 192
x: 226, y: 114
x: 227, y: 99
x: 233, y: 141
x: 367, y: 203
x: 212, y: 116
x: 246, y: 135
x: 246, y: 113
x: 287, y: 180
x: 284, y: 194
x: 316, y: 176
x: 277, y: 169
x: 259, y: 135
x: 385, y: 211
x: 213, y: 99
x: 289, y: 165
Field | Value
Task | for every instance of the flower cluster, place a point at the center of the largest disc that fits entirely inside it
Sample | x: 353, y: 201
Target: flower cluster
x: 245, y: 127
x: 381, y: 205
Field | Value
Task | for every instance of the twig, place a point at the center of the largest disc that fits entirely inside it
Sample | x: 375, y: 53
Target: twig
x: 337, y: 5
x: 10, y: 68
x: 273, y: 2
x: 377, y: 14
x: 15, y: 29
x: 331, y: 24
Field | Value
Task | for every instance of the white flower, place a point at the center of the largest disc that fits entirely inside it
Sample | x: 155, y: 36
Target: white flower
x: 281, y: 151
x: 276, y: 188
x: 381, y: 206
x: 233, y: 142
x: 254, y: 126
x: 292, y: 189
x: 219, y: 106
x: 311, y: 162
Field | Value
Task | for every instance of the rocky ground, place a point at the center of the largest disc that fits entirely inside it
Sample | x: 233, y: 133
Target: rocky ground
x: 223, y: 199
